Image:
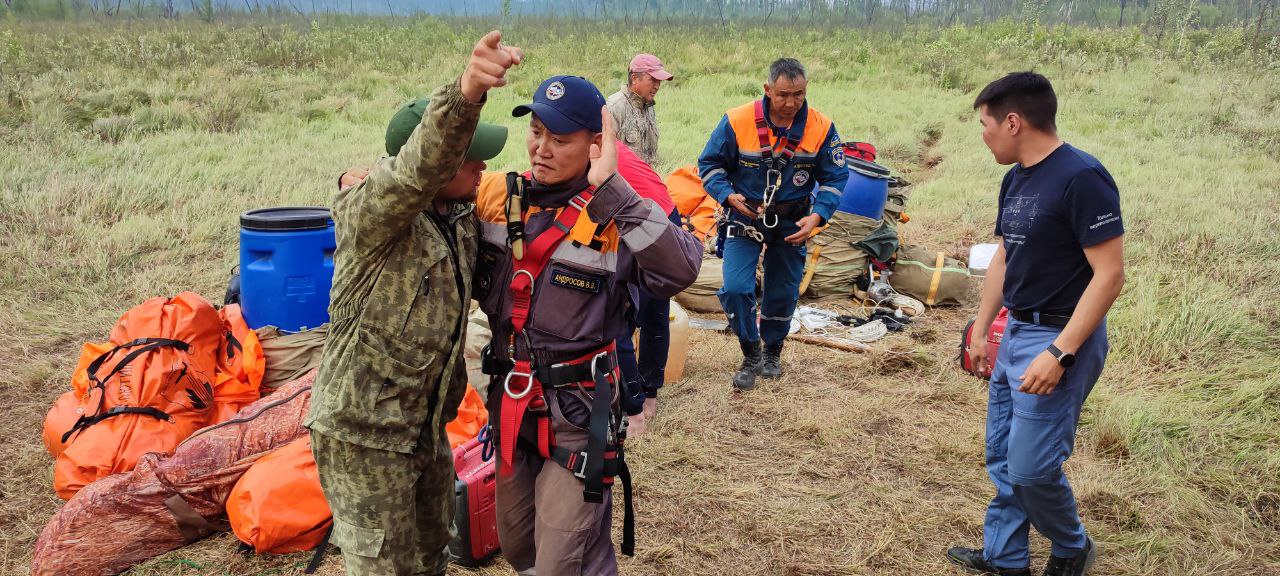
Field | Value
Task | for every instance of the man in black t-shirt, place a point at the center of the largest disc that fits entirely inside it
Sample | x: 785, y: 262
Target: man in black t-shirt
x: 1058, y: 271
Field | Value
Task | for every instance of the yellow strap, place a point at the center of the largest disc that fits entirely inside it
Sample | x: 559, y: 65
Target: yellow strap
x: 937, y: 279
x: 810, y: 267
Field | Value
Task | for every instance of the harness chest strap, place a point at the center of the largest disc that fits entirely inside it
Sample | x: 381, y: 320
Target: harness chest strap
x: 786, y: 145
x: 773, y: 166
x: 526, y: 271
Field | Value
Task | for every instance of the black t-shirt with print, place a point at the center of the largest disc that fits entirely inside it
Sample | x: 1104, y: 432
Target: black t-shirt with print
x: 1049, y: 213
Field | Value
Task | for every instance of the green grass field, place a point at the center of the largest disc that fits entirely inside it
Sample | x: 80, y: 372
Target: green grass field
x: 128, y: 150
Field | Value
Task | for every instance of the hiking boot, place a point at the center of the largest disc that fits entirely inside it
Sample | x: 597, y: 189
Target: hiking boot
x: 973, y: 562
x: 772, y: 366
x: 745, y: 378
x: 1078, y: 566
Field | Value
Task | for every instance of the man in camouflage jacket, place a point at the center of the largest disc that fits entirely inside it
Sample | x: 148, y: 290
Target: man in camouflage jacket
x: 392, y: 372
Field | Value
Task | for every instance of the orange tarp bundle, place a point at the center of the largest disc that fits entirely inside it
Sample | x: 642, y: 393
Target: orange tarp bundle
x: 277, y: 506
x: 241, y: 365
x: 696, y: 207
x: 168, y: 500
x: 472, y: 416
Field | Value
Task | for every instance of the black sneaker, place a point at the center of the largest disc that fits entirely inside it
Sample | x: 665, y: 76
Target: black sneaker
x: 973, y: 562
x: 1078, y: 566
x: 745, y: 378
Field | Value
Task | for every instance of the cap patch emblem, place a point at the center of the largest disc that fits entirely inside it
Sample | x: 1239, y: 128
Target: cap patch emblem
x: 555, y: 91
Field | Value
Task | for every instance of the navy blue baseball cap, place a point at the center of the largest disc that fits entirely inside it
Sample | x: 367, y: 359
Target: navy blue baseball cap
x: 566, y: 104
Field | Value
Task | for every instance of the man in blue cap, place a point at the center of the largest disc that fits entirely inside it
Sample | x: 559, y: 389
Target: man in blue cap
x: 564, y: 249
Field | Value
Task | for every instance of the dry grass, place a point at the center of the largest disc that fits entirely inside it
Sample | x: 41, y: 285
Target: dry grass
x: 125, y: 153
x: 839, y: 468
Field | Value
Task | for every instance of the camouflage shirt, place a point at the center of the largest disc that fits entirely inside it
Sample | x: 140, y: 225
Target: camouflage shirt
x: 402, y: 283
x: 636, y: 124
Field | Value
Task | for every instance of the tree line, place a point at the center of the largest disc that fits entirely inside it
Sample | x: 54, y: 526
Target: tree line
x: 1257, y: 16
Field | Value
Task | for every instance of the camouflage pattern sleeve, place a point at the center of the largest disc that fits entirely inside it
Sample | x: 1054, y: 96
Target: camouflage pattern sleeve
x: 617, y: 104
x: 399, y: 187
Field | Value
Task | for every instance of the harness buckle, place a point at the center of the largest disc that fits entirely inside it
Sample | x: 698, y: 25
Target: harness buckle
x: 738, y: 230
x: 617, y: 386
x: 506, y: 384
x: 579, y: 469
x: 596, y: 358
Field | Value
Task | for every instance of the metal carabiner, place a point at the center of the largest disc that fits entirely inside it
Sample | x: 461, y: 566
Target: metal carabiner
x: 772, y: 181
x: 506, y: 385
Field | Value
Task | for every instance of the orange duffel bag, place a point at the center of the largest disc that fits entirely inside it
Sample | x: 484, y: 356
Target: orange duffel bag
x: 241, y: 365
x: 277, y: 507
x: 145, y: 390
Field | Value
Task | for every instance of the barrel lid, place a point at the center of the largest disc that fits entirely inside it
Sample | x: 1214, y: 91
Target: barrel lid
x: 866, y: 168
x: 286, y: 218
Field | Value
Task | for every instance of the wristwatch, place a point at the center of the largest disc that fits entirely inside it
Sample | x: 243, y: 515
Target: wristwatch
x: 1065, y: 360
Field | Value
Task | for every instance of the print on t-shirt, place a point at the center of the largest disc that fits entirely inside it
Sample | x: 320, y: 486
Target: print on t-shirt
x: 1018, y: 216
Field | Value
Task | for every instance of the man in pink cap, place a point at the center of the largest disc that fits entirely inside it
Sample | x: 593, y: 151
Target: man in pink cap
x: 632, y: 106
x: 636, y: 128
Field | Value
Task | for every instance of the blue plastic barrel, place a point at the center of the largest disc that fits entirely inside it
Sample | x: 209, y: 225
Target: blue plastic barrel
x: 867, y: 189
x: 286, y: 267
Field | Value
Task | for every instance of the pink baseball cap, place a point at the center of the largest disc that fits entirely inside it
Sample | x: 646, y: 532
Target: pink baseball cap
x: 652, y: 65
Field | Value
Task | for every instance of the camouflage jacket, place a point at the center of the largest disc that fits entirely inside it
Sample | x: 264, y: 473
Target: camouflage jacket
x: 393, y: 362
x: 636, y: 124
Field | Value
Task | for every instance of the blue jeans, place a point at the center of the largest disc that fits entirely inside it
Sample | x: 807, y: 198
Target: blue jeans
x: 653, y: 318
x: 646, y: 375
x: 1029, y: 437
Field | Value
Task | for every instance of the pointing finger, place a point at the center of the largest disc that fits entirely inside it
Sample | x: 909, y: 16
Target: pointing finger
x: 517, y: 55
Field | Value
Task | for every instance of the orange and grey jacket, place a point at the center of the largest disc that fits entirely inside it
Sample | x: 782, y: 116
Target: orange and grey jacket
x: 583, y: 298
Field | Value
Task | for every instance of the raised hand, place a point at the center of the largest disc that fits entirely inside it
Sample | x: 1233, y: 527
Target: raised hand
x: 604, y: 156
x: 488, y: 66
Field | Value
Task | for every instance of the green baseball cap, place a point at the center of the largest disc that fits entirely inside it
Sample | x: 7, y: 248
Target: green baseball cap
x: 485, y: 144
